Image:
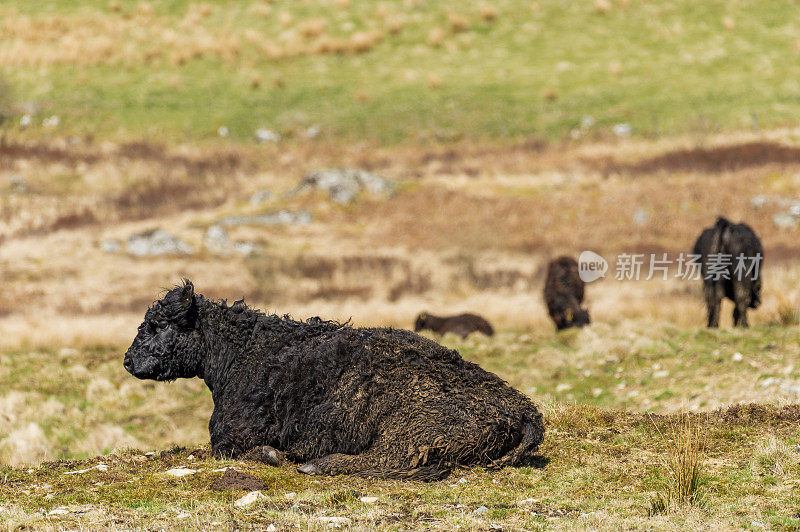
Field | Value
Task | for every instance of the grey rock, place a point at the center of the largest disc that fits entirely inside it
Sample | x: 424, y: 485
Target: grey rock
x: 481, y: 510
x: 312, y: 132
x: 276, y: 218
x: 245, y: 248
x: 260, y: 197
x: 17, y: 184
x: 216, y: 238
x: 267, y: 135
x: 640, y: 217
x: 157, y: 242
x: 786, y: 220
x: 759, y: 201
x: 622, y: 130
x: 344, y: 184
x: 110, y: 246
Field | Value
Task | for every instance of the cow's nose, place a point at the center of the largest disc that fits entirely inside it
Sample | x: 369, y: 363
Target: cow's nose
x: 128, y: 363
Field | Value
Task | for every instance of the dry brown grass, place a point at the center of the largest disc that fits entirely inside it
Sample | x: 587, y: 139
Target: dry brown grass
x: 686, y: 441
x: 470, y: 230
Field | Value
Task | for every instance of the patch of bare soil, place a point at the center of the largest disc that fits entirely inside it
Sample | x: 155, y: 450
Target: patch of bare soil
x: 713, y: 160
x: 237, y: 480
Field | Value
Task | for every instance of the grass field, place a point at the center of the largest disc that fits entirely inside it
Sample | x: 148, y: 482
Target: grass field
x: 600, y: 467
x: 468, y: 228
x: 494, y: 122
x: 399, y: 71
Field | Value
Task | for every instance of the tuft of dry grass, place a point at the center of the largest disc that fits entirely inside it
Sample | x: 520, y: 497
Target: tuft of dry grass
x: 686, y: 441
x: 488, y: 12
x: 436, y: 37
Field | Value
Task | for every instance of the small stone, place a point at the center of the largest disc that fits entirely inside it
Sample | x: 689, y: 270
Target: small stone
x: 737, y: 357
x: 757, y: 524
x: 223, y: 131
x: 369, y: 500
x: 640, y: 217
x: 180, y: 472
x: 249, y: 499
x: 25, y: 121
x: 797, y: 448
x: 58, y: 511
x: 245, y: 248
x: 334, y: 520
x: 759, y: 201
x: 190, y: 457
x: 583, y: 514
x: 526, y: 501
x: 271, y: 528
x: 312, y: 132
x: 462, y: 481
x: 260, y: 197
x: 150, y: 453
x: 480, y: 510
x: 660, y: 374
x: 622, y: 130
x: 267, y: 135
x: 17, y: 184
x: 157, y: 242
x: 51, y: 121
x: 495, y: 526
x: 110, y: 246
x: 183, y: 515
x: 290, y: 495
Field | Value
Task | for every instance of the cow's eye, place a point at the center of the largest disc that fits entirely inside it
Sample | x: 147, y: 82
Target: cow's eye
x: 161, y: 324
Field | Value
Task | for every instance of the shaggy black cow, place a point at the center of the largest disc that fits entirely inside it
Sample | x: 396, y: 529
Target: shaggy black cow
x: 563, y: 294
x: 462, y: 324
x: 731, y: 257
x: 383, y: 403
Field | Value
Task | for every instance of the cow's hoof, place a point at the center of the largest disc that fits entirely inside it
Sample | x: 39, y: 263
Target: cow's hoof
x: 309, y: 469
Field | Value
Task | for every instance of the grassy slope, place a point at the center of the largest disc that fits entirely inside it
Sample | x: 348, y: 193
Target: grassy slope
x: 534, y: 69
x: 604, y: 463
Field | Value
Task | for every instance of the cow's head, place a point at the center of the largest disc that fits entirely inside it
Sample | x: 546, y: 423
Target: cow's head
x: 755, y: 292
x: 580, y: 318
x: 169, y: 343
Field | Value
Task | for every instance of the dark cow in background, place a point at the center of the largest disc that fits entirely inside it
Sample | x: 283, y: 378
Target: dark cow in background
x: 461, y: 324
x: 563, y: 294
x: 731, y: 257
x: 382, y: 403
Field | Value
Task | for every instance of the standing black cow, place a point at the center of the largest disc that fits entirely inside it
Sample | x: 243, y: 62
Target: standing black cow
x: 563, y: 294
x: 731, y: 257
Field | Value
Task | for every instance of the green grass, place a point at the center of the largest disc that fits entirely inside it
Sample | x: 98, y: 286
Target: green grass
x: 664, y: 67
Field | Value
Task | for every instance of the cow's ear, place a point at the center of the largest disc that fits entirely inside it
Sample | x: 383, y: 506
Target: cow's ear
x: 187, y: 294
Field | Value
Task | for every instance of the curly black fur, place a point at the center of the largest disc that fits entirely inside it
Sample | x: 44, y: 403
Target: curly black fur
x: 375, y: 402
x: 563, y: 294
x: 461, y: 324
x: 732, y: 240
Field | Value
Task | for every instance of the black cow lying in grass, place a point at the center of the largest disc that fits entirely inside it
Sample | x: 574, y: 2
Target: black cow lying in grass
x: 461, y: 324
x: 731, y: 256
x: 382, y: 403
x: 563, y: 294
